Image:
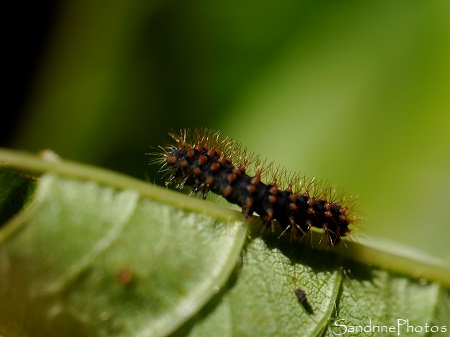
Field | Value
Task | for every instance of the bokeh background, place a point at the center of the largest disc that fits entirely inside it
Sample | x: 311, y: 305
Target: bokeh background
x: 353, y: 92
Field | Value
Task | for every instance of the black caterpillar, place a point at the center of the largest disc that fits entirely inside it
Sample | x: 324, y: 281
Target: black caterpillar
x: 205, y: 160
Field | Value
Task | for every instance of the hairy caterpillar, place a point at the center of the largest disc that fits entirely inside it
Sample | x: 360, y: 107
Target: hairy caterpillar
x: 207, y: 161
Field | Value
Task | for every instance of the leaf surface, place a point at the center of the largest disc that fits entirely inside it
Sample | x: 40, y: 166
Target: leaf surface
x: 99, y: 254
x: 98, y: 261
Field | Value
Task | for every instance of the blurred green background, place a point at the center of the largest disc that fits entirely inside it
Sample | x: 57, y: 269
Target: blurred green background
x: 353, y: 92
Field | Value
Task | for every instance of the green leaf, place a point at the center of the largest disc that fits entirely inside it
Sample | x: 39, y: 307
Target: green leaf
x: 100, y: 254
x: 15, y: 191
x: 261, y: 302
x: 92, y: 260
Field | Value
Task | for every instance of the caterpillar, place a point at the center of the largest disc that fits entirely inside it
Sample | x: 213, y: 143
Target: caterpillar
x: 206, y: 161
